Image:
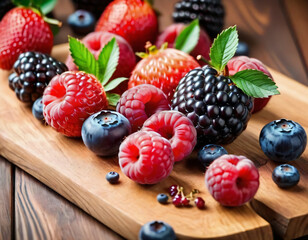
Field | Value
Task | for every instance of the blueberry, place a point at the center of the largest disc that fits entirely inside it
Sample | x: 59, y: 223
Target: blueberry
x: 285, y: 176
x: 82, y: 22
x: 209, y: 153
x: 283, y: 140
x: 242, y: 49
x: 162, y: 198
x: 156, y: 230
x: 112, y: 177
x: 37, y: 109
x: 104, y: 131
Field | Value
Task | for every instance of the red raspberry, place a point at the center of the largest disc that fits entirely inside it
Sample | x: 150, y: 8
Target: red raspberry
x: 70, y: 98
x: 146, y: 157
x: 176, y: 127
x: 232, y: 180
x: 139, y: 103
x: 240, y: 63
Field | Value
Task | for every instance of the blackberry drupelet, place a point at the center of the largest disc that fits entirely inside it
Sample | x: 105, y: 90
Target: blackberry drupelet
x: 209, y: 12
x: 32, y: 73
x: 219, y: 110
x: 94, y: 6
x: 5, y: 6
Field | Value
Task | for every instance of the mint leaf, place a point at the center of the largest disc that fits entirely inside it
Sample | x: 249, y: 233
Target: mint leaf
x: 187, y: 40
x: 255, y: 83
x: 108, y: 61
x: 114, y: 83
x: 83, y: 58
x: 113, y: 98
x: 224, y: 48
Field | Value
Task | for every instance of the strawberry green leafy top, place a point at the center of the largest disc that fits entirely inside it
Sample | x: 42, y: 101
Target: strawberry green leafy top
x: 252, y: 82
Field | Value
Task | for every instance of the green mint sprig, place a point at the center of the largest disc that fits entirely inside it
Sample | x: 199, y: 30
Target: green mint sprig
x: 254, y: 83
x: 187, y: 40
x: 103, y: 68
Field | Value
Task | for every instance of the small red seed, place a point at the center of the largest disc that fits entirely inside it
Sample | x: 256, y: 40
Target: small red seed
x: 199, y: 203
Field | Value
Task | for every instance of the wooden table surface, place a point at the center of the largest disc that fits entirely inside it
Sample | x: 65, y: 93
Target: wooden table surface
x: 276, y: 32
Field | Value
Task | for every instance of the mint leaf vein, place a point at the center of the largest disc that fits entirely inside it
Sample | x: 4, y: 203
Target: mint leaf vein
x: 255, y: 83
x: 224, y: 48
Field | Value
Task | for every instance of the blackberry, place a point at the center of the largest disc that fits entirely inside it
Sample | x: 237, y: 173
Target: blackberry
x: 32, y: 73
x: 5, y: 6
x: 96, y: 7
x: 209, y: 12
x: 219, y: 110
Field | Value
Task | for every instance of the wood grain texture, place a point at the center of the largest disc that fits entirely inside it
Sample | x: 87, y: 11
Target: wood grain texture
x: 296, y: 13
x: 263, y: 25
x: 43, y: 214
x: 6, y: 208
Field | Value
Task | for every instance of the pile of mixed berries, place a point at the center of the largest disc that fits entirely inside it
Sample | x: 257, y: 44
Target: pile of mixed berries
x: 153, y: 111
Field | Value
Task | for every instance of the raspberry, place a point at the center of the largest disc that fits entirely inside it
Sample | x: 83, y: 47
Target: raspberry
x: 139, y: 103
x: 146, y: 157
x: 240, y: 63
x: 32, y: 73
x: 70, y: 98
x: 219, y: 109
x: 209, y: 12
x: 176, y: 127
x: 232, y: 180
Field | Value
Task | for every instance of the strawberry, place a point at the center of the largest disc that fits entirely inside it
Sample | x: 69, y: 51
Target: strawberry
x: 23, y: 29
x: 134, y: 20
x: 162, y: 68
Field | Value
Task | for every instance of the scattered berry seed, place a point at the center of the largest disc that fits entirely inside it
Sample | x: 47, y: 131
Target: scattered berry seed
x: 112, y: 177
x: 173, y: 190
x: 162, y: 198
x: 177, y: 201
x: 185, y: 201
x: 199, y: 203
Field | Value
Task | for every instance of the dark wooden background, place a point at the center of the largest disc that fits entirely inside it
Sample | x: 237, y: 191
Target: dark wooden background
x: 276, y: 31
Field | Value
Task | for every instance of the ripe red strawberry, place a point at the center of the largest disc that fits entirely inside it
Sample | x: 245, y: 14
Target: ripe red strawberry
x: 23, y: 30
x: 134, y: 20
x: 70, y: 98
x: 162, y: 68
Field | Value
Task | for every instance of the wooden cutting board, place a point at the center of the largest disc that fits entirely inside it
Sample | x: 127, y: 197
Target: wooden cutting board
x: 68, y: 167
